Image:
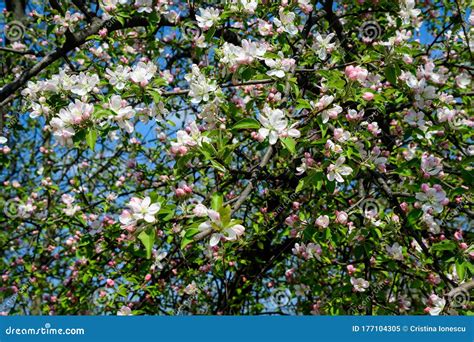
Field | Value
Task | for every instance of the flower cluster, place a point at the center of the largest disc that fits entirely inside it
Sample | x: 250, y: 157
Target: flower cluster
x: 139, y: 210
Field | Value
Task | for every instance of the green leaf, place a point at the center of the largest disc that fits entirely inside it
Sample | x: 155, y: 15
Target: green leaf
x: 91, y: 138
x: 405, y: 169
x: 330, y: 186
x: 290, y: 144
x: 470, y: 267
x: 216, y: 201
x: 444, y: 245
x: 467, y: 176
x: 208, y: 150
x: 147, y: 237
x: 413, y: 217
x: 225, y: 213
x: 312, y: 179
x: 302, y: 103
x: 191, y: 232
x: 218, y: 165
x: 461, y: 269
x: 247, y: 124
x: 391, y: 73
x: 155, y: 95
x: 186, y: 241
x: 210, y: 33
x: 378, y: 233
x: 301, y: 185
x: 188, y: 236
x: 317, y: 180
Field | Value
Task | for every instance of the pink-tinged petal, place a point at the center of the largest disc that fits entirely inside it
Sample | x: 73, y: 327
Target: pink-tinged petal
x: 128, y: 127
x: 200, y: 210
x: 125, y: 218
x: 135, y: 205
x: 238, y: 229
x: 149, y: 218
x: 204, y: 226
x: 215, y: 238
x: 273, y: 137
x: 154, y: 208
x: 325, y: 116
x: 229, y: 234
x: 264, y: 132
x: 340, y: 161
x: 214, y: 216
x: 345, y: 170
x: 146, y: 202
x: 331, y: 176
x: 294, y: 133
x: 338, y: 177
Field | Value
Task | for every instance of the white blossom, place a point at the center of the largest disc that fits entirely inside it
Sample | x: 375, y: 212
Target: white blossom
x: 207, y: 17
x: 395, y: 251
x: 275, y: 125
x: 336, y: 171
x: 359, y: 284
x: 118, y: 77
x: 200, y: 88
x: 286, y: 22
x: 123, y: 113
x: 322, y: 45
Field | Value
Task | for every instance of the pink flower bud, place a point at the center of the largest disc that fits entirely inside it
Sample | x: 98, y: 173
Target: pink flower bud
x: 351, y: 269
x: 425, y: 187
x: 103, y: 32
x: 341, y: 217
x: 458, y: 235
x: 368, y: 96
x: 182, y: 150
x: 187, y: 189
x: 180, y: 192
